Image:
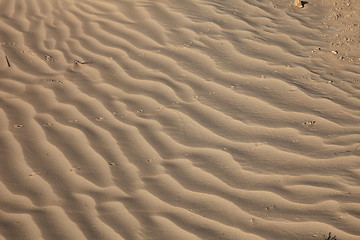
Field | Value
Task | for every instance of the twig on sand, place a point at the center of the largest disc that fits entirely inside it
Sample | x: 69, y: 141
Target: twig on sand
x: 78, y: 62
x: 7, y: 60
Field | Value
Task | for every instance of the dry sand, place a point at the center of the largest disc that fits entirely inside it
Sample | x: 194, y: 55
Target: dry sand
x: 179, y: 119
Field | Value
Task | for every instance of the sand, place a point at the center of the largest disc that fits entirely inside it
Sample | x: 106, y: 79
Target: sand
x: 169, y: 119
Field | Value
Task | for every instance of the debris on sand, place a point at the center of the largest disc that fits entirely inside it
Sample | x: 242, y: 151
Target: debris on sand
x: 7, y: 60
x: 298, y: 3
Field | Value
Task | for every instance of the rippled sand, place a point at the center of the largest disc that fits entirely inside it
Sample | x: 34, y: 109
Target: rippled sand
x: 169, y: 119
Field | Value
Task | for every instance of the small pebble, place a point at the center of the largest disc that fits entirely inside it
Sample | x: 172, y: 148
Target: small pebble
x: 98, y: 119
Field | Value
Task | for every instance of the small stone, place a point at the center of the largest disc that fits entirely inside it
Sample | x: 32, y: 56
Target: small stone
x: 334, y: 52
x: 98, y: 119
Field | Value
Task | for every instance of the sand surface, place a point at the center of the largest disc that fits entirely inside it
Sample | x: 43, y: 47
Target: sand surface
x: 179, y: 119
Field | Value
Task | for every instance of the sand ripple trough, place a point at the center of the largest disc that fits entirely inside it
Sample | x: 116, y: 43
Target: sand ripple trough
x: 193, y: 119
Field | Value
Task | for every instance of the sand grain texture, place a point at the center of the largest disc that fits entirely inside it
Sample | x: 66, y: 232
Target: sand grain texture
x: 194, y: 119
